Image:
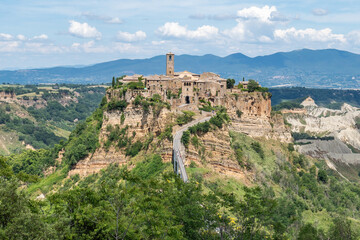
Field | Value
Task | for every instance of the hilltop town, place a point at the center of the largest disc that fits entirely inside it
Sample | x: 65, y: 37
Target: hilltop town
x: 184, y: 87
x: 140, y: 108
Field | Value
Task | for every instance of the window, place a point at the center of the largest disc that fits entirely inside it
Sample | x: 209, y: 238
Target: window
x: 170, y: 57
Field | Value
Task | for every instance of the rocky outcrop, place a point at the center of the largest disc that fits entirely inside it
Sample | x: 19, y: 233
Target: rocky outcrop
x: 320, y: 121
x: 214, y: 149
x: 249, y: 113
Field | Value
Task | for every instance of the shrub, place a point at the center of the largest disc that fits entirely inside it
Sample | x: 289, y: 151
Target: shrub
x: 186, y: 117
x: 230, y: 83
x: 122, y: 118
x: 185, y: 138
x: 200, y: 128
x: 291, y: 147
x: 134, y: 149
x: 257, y: 148
x: 322, y: 176
x: 217, y: 121
x: 239, y: 113
x: 117, y: 105
x: 300, y: 160
x: 195, y: 141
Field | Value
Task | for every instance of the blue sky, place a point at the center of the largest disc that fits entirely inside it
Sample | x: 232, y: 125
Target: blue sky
x: 46, y: 33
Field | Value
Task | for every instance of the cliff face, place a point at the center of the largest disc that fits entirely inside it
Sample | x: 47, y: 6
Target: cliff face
x: 141, y: 125
x: 249, y: 114
x: 255, y: 117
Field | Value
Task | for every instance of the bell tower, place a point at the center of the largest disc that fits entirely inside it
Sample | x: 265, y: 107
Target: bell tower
x: 170, y: 64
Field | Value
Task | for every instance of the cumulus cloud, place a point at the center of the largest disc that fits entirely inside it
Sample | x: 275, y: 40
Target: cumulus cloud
x: 40, y: 37
x: 105, y: 19
x: 21, y: 37
x: 319, y: 12
x: 264, y: 14
x: 83, y: 30
x: 5, y: 36
x: 309, y: 34
x: 131, y: 37
x: 255, y: 24
x: 175, y: 30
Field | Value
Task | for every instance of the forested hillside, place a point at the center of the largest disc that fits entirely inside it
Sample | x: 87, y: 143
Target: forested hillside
x: 283, y: 195
x: 41, y: 116
x: 330, y: 98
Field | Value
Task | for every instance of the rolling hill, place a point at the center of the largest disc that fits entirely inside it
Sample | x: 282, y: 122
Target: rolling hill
x: 329, y: 68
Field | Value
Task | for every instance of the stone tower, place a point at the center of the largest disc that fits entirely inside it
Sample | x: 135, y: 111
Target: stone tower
x: 170, y: 64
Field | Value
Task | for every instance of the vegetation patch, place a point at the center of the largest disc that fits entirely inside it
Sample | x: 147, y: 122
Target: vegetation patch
x: 185, y: 117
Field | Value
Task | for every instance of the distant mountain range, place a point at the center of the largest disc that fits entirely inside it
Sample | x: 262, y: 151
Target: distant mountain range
x: 328, y: 68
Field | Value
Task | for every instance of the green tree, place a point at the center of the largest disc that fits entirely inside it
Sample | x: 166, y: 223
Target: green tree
x: 113, y: 82
x: 185, y: 138
x: 308, y: 232
x: 322, y: 176
x: 252, y: 85
x: 230, y: 83
x: 342, y: 230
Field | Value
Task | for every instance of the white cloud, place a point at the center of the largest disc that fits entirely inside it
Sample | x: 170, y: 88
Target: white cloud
x: 156, y: 43
x: 319, y: 12
x: 255, y: 24
x: 105, y: 19
x: 9, y: 46
x: 83, y: 30
x: 263, y: 14
x: 174, y: 29
x: 126, y: 47
x: 308, y: 34
x: 114, y: 20
x: 354, y: 37
x: 131, y: 37
x: 89, y: 47
x: 237, y: 32
x: 5, y: 36
x: 40, y: 37
x: 21, y: 37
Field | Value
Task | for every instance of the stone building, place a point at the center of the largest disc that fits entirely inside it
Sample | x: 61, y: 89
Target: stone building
x: 183, y: 87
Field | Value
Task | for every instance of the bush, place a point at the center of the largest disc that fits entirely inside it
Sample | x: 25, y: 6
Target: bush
x: 257, y: 148
x: 186, y: 117
x: 185, y: 138
x: 239, y: 113
x: 230, y: 83
x: 217, y: 121
x: 291, y: 147
x: 200, y: 128
x: 300, y: 160
x: 134, y: 149
x: 195, y: 141
x: 117, y: 105
x: 252, y: 85
x: 322, y: 176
